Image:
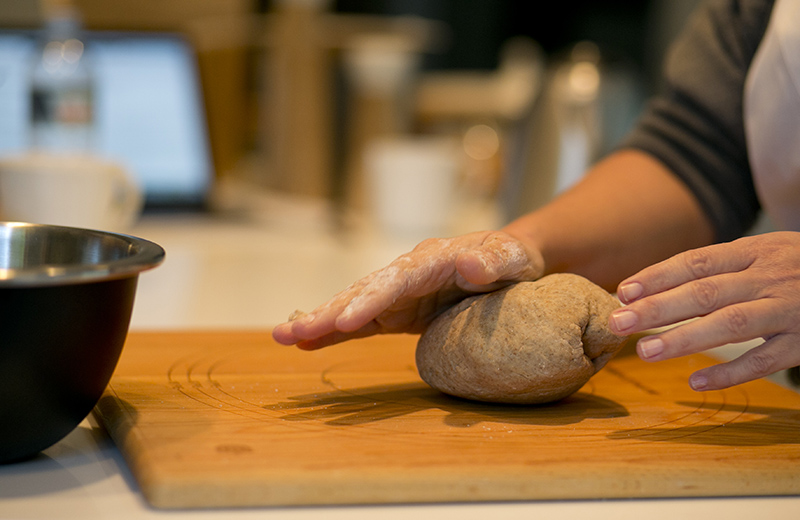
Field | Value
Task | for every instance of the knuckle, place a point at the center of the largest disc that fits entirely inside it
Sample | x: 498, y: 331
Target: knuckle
x: 720, y: 376
x: 496, y: 236
x: 651, y: 310
x: 400, y: 263
x: 428, y: 243
x: 705, y: 294
x: 735, y: 320
x: 684, y: 343
x: 512, y: 255
x: 680, y: 342
x: 435, y: 246
x: 699, y: 263
x: 759, y: 364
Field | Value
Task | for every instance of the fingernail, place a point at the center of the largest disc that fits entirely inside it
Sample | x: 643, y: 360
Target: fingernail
x: 698, y: 382
x: 630, y: 291
x: 623, y: 320
x: 650, y: 347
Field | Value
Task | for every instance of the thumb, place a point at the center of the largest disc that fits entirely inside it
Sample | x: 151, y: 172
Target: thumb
x: 499, y: 258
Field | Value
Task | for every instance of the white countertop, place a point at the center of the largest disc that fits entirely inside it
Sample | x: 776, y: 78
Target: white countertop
x: 249, y: 271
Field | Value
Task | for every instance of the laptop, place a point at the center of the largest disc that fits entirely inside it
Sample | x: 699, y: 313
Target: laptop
x: 148, y: 109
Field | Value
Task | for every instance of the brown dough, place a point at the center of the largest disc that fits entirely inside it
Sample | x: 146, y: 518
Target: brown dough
x: 531, y: 342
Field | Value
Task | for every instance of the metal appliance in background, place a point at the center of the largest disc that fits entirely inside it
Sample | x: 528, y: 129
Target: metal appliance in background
x: 585, y: 107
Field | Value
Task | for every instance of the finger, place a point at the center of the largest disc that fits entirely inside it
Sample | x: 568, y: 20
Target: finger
x: 321, y: 320
x: 283, y: 334
x: 684, y: 267
x: 429, y: 269
x: 318, y: 322
x: 689, y: 300
x: 776, y: 354
x: 383, y: 289
x: 358, y: 304
x: 424, y: 270
x: 335, y: 337
x: 731, y: 324
x: 408, y: 277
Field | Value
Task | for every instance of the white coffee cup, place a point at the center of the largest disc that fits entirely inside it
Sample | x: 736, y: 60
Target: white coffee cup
x: 412, y: 183
x: 68, y: 190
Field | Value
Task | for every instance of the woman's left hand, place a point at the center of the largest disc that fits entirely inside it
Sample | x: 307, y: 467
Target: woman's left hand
x: 738, y: 291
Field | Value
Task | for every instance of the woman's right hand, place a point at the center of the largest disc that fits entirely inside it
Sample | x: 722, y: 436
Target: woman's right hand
x: 410, y: 292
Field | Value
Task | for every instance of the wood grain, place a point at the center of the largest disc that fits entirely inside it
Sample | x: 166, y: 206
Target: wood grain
x: 232, y: 419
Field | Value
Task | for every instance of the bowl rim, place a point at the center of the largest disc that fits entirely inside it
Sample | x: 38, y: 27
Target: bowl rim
x: 146, y: 255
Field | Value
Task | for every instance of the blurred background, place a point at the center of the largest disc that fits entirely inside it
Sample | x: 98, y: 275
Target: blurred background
x: 287, y: 147
x: 324, y: 99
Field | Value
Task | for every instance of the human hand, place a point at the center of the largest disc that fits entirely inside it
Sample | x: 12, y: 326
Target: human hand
x: 739, y: 291
x: 410, y: 292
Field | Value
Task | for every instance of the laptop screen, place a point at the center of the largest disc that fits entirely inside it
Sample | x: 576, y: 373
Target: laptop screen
x: 148, y: 109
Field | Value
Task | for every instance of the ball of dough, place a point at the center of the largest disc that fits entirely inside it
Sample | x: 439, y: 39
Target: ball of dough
x: 531, y: 342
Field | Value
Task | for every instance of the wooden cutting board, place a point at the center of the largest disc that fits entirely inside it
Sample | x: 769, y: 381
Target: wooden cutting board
x: 233, y: 419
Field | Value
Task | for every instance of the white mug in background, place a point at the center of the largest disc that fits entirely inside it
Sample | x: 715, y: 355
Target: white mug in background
x: 68, y: 190
x: 412, y: 183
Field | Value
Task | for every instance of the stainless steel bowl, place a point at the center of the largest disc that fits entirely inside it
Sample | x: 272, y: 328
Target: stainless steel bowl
x: 66, y: 297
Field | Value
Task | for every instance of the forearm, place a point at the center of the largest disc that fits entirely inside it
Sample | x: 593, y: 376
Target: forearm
x: 627, y: 213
